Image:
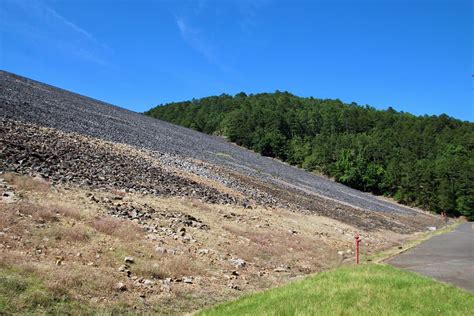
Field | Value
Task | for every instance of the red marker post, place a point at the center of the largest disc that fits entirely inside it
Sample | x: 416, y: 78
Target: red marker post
x: 357, y: 240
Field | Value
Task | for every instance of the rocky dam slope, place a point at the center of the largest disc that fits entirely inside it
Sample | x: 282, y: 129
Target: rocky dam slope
x: 25, y: 100
x: 105, y: 208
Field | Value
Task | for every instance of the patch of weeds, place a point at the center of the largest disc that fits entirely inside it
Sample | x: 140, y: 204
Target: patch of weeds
x: 122, y: 229
x: 27, y: 183
x: 224, y: 155
x: 149, y: 270
x: 77, y: 233
x: 21, y: 292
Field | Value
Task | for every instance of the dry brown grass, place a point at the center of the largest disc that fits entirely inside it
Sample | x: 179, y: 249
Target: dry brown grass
x: 149, y: 270
x: 27, y: 183
x: 17, y: 260
x: 175, y: 266
x: 183, y: 266
x: 78, y: 279
x: 278, y: 247
x: 39, y: 213
x: 122, y: 229
x: 258, y: 249
x: 197, y: 204
x: 7, y: 215
x: 91, y: 246
x: 118, y: 192
x: 68, y: 211
x: 76, y: 233
x: 18, y: 219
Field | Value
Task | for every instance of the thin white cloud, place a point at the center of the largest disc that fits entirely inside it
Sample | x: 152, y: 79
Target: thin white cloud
x: 44, y: 27
x: 194, y: 37
x: 70, y: 24
x: 243, y: 13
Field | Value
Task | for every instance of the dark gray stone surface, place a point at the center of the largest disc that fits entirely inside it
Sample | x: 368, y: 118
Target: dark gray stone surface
x: 29, y: 101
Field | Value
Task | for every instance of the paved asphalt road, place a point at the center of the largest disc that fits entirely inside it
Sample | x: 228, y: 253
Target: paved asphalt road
x: 448, y: 257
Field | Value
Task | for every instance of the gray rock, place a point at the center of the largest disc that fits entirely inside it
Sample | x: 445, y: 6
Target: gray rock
x: 234, y: 286
x: 123, y: 268
x: 238, y: 263
x: 121, y: 287
x: 161, y: 249
x: 203, y: 251
x: 9, y: 197
x: 280, y: 269
x: 148, y: 282
x: 188, y: 280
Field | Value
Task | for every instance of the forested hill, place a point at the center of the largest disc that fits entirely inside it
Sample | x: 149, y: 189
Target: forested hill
x: 426, y: 161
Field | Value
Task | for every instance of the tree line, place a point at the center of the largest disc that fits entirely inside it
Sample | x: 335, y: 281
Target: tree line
x: 425, y: 161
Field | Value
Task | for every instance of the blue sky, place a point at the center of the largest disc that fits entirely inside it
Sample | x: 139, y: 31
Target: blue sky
x: 413, y: 55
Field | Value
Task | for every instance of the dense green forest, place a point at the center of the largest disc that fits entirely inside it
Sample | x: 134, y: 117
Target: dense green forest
x: 427, y: 161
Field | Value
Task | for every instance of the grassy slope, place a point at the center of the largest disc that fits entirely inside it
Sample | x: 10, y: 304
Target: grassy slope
x: 362, y: 290
x: 25, y: 293
x: 34, y: 284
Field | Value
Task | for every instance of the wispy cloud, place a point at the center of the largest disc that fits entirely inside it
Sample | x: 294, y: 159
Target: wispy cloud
x: 194, y: 37
x: 73, y: 26
x: 191, y: 22
x: 44, y: 27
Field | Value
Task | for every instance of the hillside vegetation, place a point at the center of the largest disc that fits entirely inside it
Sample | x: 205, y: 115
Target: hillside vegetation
x: 425, y: 161
x: 361, y: 290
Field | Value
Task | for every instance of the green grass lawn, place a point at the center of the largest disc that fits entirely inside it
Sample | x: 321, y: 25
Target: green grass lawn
x: 359, y: 290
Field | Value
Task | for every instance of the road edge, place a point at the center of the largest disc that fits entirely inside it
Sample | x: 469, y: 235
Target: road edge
x: 390, y: 253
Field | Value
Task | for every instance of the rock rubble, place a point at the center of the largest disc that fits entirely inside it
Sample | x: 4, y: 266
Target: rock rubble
x: 26, y: 100
x: 69, y: 158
